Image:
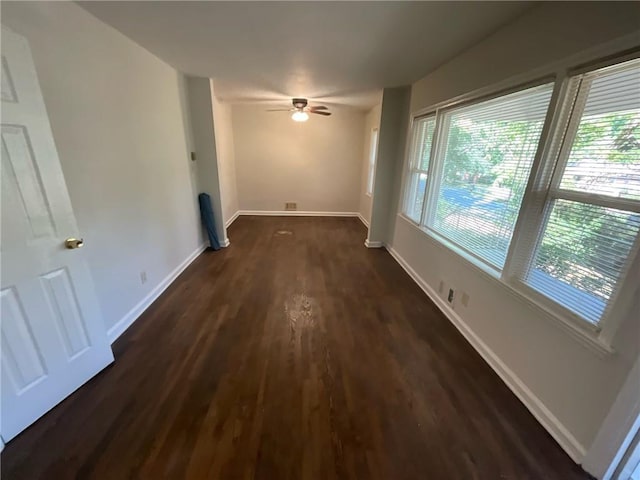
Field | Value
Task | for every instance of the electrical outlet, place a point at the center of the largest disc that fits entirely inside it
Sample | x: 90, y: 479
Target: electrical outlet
x: 450, y: 297
x: 290, y: 206
x: 464, y: 300
x: 193, y: 156
x: 143, y: 277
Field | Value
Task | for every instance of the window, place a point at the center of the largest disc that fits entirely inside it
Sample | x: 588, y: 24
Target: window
x: 419, y: 165
x: 563, y: 237
x: 593, y: 205
x: 373, y: 151
x: 484, y: 164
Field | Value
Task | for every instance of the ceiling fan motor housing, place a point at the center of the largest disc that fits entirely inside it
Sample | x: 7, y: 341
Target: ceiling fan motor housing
x: 300, y: 102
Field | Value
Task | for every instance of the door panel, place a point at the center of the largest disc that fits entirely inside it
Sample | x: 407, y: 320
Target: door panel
x: 53, y: 337
x: 23, y: 175
x: 20, y: 353
x: 66, y: 311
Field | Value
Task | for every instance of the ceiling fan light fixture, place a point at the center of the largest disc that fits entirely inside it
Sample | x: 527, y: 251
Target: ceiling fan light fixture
x: 301, y: 109
x: 300, y: 116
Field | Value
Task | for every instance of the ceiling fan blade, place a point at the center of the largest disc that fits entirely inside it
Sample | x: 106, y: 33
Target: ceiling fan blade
x: 326, y: 114
x: 319, y: 107
x: 280, y: 109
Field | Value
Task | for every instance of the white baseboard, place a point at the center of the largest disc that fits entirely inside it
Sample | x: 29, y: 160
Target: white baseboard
x: 373, y: 244
x: 225, y: 243
x: 296, y: 213
x: 125, y: 322
x: 557, y: 430
x: 363, y: 220
x: 232, y: 219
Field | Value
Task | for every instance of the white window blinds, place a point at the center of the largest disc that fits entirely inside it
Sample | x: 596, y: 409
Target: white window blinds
x: 583, y: 250
x: 419, y: 166
x: 603, y: 158
x: 482, y: 171
x: 593, y: 206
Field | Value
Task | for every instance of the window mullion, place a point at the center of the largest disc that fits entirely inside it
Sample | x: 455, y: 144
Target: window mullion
x: 606, y: 201
x: 583, y: 87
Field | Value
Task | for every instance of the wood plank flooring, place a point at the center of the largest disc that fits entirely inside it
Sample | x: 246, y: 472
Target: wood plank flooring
x: 296, y: 353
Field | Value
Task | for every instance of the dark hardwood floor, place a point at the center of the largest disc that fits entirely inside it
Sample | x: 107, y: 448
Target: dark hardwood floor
x: 296, y: 353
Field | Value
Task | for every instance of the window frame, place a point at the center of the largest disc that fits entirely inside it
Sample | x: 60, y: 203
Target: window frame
x: 410, y: 170
x: 554, y: 160
x: 439, y: 145
x: 372, y: 160
x: 541, y: 191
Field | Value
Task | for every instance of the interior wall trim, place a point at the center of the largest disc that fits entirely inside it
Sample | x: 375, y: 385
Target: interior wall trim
x: 363, y: 220
x: 132, y: 315
x: 297, y: 213
x: 232, y: 219
x: 373, y: 243
x: 537, y: 408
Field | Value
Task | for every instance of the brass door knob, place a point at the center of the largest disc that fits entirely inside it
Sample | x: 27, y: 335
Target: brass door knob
x: 72, y: 243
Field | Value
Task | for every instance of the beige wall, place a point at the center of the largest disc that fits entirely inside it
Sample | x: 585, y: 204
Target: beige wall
x: 117, y: 117
x: 371, y: 122
x: 316, y: 164
x: 394, y: 115
x: 223, y: 127
x: 570, y: 385
x: 205, y: 146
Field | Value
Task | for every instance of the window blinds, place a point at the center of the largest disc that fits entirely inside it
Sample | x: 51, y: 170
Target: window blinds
x: 582, y: 253
x: 604, y: 154
x: 419, y: 166
x: 424, y: 139
x: 486, y: 160
x: 587, y: 239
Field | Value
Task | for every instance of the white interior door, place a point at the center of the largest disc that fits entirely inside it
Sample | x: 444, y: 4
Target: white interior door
x: 53, y: 337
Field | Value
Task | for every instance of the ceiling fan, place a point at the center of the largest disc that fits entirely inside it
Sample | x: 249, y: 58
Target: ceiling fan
x: 301, y: 110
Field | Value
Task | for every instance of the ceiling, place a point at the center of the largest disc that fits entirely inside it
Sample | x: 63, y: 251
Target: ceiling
x: 340, y: 53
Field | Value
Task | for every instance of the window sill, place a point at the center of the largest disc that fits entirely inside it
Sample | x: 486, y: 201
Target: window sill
x: 587, y: 334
